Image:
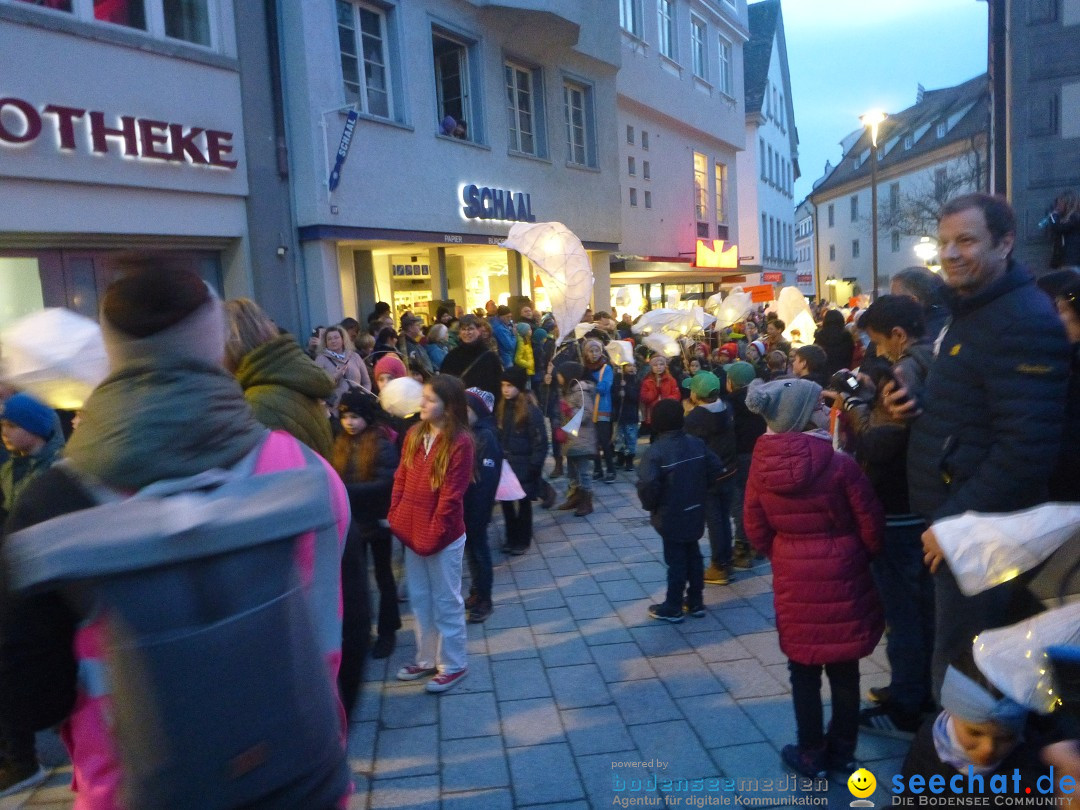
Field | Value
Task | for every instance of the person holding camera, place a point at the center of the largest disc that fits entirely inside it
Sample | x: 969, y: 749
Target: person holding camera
x: 1063, y: 224
x: 895, y: 323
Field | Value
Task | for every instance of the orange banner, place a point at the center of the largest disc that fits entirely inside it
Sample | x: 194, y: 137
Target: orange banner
x: 761, y: 293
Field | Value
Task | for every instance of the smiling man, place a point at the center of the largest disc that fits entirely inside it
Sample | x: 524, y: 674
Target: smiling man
x: 994, y: 402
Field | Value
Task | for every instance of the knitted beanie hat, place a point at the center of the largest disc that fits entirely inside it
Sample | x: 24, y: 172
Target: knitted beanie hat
x: 516, y: 376
x: 786, y: 405
x: 740, y: 373
x: 523, y: 329
x: 360, y: 403
x: 158, y: 310
x: 29, y: 414
x: 667, y: 414
x: 390, y: 364
x: 482, y: 402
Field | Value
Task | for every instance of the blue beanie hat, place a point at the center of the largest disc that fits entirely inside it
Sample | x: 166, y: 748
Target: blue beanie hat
x: 29, y: 414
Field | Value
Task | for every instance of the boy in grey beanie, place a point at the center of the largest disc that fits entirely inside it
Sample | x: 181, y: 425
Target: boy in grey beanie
x: 785, y: 405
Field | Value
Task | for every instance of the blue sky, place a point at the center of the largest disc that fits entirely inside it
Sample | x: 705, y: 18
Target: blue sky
x: 848, y: 56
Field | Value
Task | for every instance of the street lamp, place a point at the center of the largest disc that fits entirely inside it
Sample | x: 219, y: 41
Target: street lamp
x: 926, y: 250
x: 873, y: 120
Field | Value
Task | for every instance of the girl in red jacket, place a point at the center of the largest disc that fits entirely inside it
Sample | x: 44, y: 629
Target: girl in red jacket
x: 427, y: 515
x: 814, y: 514
x: 658, y: 385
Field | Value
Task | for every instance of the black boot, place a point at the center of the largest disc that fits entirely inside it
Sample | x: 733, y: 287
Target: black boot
x: 629, y: 462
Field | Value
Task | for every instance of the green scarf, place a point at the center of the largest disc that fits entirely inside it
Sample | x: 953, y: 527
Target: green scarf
x: 156, y: 419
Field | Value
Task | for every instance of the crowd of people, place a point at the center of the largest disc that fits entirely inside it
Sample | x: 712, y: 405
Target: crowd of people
x: 831, y: 458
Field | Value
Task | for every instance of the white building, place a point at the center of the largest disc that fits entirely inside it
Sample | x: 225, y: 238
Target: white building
x: 804, y: 249
x: 680, y: 126
x: 769, y: 166
x: 927, y: 154
x: 470, y: 116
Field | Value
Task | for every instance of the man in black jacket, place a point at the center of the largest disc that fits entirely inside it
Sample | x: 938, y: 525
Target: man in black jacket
x: 994, y: 404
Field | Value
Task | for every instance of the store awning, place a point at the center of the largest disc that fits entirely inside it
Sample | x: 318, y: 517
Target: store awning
x: 671, y: 271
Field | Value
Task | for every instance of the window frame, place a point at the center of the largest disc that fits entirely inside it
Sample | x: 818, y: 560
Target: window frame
x: 535, y: 112
x: 631, y: 166
x: 633, y: 197
x: 854, y: 203
x: 856, y: 248
x: 666, y: 30
x: 725, y: 56
x: 646, y: 170
x: 469, y: 92
x: 364, y: 90
x: 588, y: 122
x: 699, y: 47
x: 155, y: 25
x: 701, y: 186
x: 894, y: 239
x: 832, y: 214
x: 633, y: 8
x: 720, y: 183
x: 648, y: 198
x: 832, y: 253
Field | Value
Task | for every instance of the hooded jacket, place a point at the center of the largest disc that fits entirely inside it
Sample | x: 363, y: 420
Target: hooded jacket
x: 673, y: 476
x: 283, y: 387
x: 814, y: 514
x: 488, y: 459
x: 524, y: 446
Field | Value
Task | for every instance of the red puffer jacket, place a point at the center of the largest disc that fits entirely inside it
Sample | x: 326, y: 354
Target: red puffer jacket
x: 813, y: 512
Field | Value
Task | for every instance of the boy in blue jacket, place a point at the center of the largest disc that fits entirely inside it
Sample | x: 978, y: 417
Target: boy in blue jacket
x: 479, y: 501
x: 673, y: 477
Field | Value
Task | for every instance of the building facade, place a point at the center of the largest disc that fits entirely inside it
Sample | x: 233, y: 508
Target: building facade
x: 442, y: 126
x: 769, y: 166
x: 927, y: 154
x: 680, y: 126
x: 805, y: 275
x: 1035, y: 79
x: 106, y: 151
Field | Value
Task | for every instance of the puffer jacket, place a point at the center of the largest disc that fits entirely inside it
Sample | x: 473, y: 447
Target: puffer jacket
x: 653, y: 391
x: 814, y: 514
x: 283, y: 387
x: 524, y: 446
x: 673, y: 476
x: 994, y: 406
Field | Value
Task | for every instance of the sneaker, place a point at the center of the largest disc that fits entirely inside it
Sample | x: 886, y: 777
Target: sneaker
x: 698, y: 611
x: 717, y: 575
x: 383, y: 646
x: 16, y: 777
x: 879, y: 694
x: 889, y: 720
x: 598, y: 475
x: 414, y: 672
x: 514, y: 551
x: 805, y: 762
x: 446, y: 680
x: 665, y: 613
x: 480, y: 612
x: 740, y: 557
x: 610, y: 477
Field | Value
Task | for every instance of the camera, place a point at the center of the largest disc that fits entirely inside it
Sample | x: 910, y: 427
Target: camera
x: 845, y: 382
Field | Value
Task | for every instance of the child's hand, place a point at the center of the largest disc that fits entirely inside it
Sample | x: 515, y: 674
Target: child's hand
x: 933, y: 556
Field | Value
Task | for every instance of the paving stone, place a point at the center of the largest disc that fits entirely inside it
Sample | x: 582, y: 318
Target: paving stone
x: 599, y: 773
x: 468, y: 715
x: 750, y: 761
x: 622, y: 662
x: 578, y: 686
x: 507, y: 615
x: 635, y: 613
x: 479, y: 679
x: 563, y: 649
x: 551, y: 620
x: 534, y: 579
x: 621, y: 590
x: 402, y: 708
x: 541, y: 599
x: 765, y: 647
x: 684, y: 675
x: 648, y: 573
x: 580, y: 584
x: 744, y: 620
x: 417, y: 793
x: 576, y: 530
x: 644, y: 702
x: 569, y: 565
x: 591, y: 606
x: 360, y: 747
x: 676, y: 744
x: 595, y: 730
x: 774, y: 717
x: 510, y: 643
x: 501, y: 799
x: 478, y: 762
x: 605, y: 630
x: 530, y: 722
x: 544, y: 773
x: 744, y: 679
x: 403, y: 752
x: 609, y: 571
x: 719, y: 721
x: 660, y: 638
x: 521, y: 679
x: 718, y: 647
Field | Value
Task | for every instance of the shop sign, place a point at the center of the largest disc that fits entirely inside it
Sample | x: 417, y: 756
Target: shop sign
x: 412, y: 271
x: 773, y: 277
x: 804, y: 278
x: 21, y: 123
x: 761, y: 293
x: 482, y: 202
x: 343, y: 148
x: 717, y: 255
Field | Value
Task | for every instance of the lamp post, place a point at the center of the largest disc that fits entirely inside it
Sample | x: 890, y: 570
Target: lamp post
x: 873, y: 120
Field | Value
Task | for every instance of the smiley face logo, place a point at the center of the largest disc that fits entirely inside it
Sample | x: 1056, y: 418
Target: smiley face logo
x: 861, y: 783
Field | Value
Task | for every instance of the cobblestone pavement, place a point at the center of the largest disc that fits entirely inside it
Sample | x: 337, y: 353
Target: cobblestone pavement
x: 574, y: 691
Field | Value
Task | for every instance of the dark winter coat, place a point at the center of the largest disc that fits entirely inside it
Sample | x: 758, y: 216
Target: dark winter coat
x: 1065, y: 482
x: 713, y: 424
x: 283, y: 387
x: 674, y: 474
x: 1066, y: 237
x: 839, y: 347
x: 476, y: 366
x: 480, y: 496
x: 995, y: 403
x: 814, y: 514
x: 370, y: 500
x: 749, y: 426
x: 626, y: 398
x: 524, y: 446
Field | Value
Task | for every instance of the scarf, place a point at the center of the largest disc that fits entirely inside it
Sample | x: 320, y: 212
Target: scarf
x: 152, y: 420
x: 951, y: 752
x: 335, y: 356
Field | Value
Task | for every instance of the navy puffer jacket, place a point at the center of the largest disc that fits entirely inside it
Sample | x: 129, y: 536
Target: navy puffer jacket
x: 813, y: 513
x: 991, y: 428
x: 673, y: 476
x: 524, y: 446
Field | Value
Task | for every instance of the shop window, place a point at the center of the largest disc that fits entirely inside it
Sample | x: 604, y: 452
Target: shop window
x: 362, y: 38
x: 185, y: 20
x: 453, y: 85
x: 523, y: 108
x: 648, y: 199
x: 578, y: 110
x: 701, y: 186
x: 20, y: 288
x: 633, y: 198
x: 699, y: 33
x: 720, y: 177
x: 725, y: 80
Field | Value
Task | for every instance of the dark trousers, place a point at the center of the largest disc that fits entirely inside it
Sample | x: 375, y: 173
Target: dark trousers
x: 380, y: 542
x: 355, y: 617
x: 17, y: 746
x: 478, y: 554
x: 809, y: 716
x: 518, y: 518
x: 907, y: 593
x: 738, y: 493
x: 685, y: 573
x: 556, y: 447
x: 718, y: 520
x: 604, y: 433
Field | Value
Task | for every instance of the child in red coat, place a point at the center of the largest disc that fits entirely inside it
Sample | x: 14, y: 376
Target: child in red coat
x: 814, y: 514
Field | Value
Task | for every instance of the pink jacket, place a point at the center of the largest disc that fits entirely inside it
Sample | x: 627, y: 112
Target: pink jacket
x: 813, y: 512
x: 97, y: 775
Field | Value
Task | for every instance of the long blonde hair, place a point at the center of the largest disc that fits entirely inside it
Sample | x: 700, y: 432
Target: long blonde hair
x: 249, y: 328
x: 451, y: 392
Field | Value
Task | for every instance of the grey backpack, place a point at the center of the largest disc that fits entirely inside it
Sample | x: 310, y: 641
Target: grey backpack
x: 215, y: 666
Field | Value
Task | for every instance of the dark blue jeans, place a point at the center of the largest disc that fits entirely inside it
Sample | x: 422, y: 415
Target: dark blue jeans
x: 478, y: 555
x: 738, y: 493
x: 907, y: 593
x: 685, y: 573
x: 843, y: 730
x: 718, y: 519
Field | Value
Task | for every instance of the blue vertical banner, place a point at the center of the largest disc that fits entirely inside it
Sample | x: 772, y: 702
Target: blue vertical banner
x: 343, y: 148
